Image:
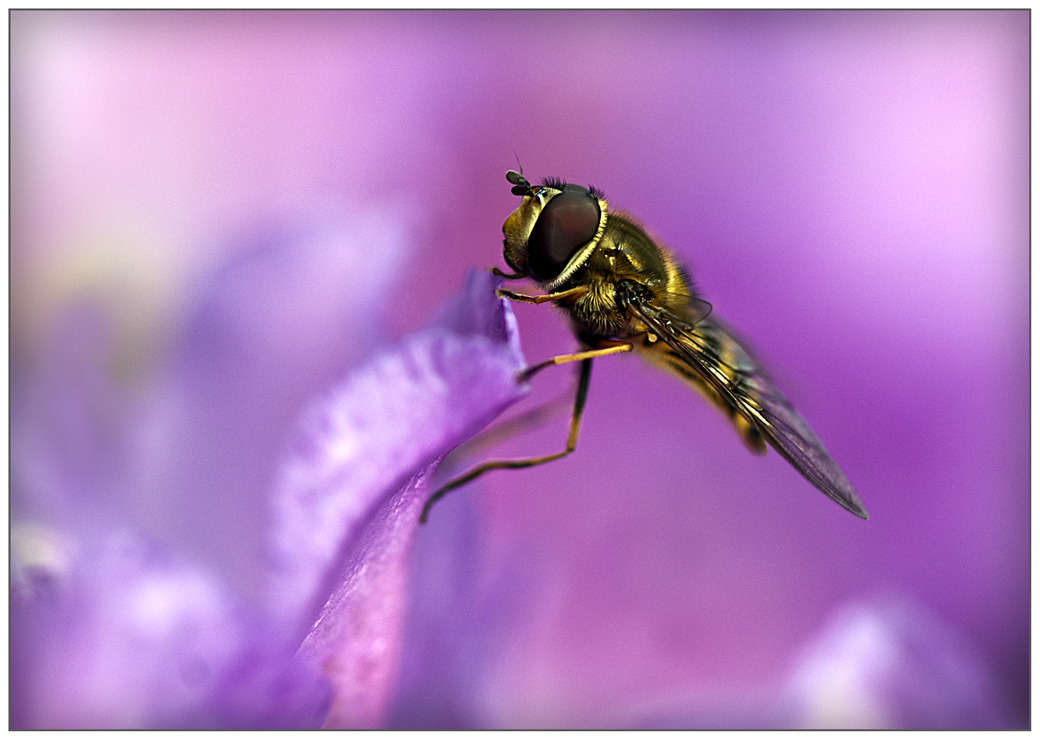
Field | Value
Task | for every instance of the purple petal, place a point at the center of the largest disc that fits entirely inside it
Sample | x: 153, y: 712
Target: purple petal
x: 890, y: 664
x: 271, y: 328
x: 356, y: 640
x: 111, y: 632
x: 357, y: 475
x: 464, y: 599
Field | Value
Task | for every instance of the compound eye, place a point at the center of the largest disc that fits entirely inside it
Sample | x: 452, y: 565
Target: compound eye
x: 568, y: 222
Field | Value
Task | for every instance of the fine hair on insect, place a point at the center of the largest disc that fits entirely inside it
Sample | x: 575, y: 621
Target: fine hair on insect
x: 623, y: 291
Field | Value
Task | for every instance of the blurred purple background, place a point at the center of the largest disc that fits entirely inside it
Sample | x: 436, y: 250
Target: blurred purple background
x: 849, y: 189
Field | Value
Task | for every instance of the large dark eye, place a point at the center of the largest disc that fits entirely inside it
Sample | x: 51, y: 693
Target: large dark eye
x: 567, y: 223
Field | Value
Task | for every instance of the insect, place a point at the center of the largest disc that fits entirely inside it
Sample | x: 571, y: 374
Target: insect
x: 624, y: 292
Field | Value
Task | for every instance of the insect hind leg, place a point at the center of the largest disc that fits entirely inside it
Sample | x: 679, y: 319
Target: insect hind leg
x: 489, y: 438
x: 529, y: 462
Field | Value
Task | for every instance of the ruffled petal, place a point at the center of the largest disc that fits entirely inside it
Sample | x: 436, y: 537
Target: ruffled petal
x: 355, y: 480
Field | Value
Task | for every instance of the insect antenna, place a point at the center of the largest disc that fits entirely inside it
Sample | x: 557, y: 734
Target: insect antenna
x: 520, y: 184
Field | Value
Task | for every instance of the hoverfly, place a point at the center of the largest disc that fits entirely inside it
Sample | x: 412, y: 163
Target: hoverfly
x: 624, y: 292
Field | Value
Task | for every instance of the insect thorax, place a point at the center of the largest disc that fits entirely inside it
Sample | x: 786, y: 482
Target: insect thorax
x: 626, y: 265
x: 597, y: 312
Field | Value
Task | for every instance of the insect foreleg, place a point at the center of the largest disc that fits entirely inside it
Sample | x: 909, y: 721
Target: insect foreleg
x: 562, y: 295
x: 529, y: 462
x: 508, y: 275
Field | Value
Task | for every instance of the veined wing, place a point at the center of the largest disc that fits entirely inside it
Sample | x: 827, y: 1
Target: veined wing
x: 724, y: 367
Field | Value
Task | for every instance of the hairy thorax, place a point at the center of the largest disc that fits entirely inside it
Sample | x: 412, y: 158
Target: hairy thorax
x: 597, y: 313
x: 625, y: 253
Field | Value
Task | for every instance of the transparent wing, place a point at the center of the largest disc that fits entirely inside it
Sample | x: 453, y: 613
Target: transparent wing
x: 719, y: 362
x: 697, y: 309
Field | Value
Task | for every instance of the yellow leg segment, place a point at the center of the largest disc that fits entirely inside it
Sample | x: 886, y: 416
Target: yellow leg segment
x: 572, y: 437
x: 561, y: 296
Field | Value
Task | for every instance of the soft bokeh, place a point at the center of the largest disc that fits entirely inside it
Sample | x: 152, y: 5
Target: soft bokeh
x: 850, y: 191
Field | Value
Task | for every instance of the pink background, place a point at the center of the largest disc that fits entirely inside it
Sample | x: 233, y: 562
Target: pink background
x: 849, y: 189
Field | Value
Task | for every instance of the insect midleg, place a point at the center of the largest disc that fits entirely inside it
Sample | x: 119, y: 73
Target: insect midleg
x: 607, y: 347
x: 572, y: 442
